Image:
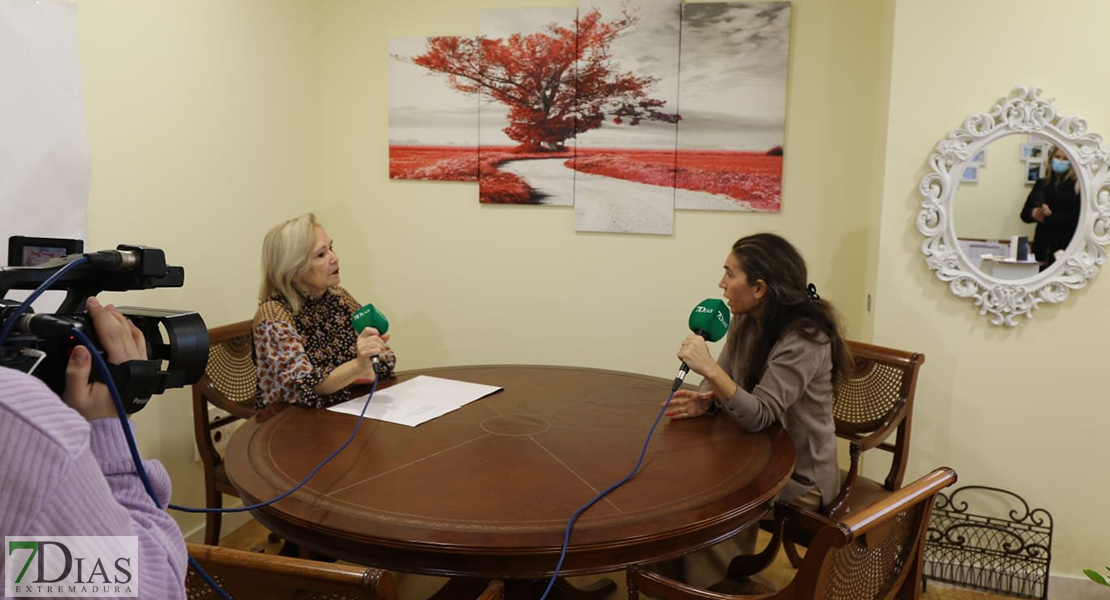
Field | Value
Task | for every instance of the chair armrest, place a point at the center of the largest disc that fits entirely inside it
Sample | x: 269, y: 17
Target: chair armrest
x: 799, y: 524
x: 380, y: 584
x: 240, y: 568
x: 662, y: 587
x: 835, y: 509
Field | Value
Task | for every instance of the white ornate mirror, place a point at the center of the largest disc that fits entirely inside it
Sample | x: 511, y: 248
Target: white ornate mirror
x: 1033, y: 209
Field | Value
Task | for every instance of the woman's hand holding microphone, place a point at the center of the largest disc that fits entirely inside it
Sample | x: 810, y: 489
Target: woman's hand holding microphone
x: 694, y: 351
x: 370, y: 344
x: 689, y: 403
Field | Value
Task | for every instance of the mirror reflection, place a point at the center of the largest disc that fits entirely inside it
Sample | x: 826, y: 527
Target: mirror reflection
x: 1017, y: 206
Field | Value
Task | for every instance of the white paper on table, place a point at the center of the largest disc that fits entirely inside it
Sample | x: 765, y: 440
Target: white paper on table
x: 417, y: 400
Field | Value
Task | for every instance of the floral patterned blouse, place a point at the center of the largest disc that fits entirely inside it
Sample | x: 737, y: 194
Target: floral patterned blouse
x: 295, y: 353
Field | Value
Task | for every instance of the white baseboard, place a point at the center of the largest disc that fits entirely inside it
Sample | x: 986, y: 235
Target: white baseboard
x: 230, y: 523
x: 1060, y: 587
x: 1075, y: 587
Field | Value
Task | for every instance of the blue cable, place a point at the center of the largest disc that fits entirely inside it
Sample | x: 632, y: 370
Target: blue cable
x: 208, y: 579
x: 199, y: 570
x: 586, y: 506
x: 373, y: 388
x: 134, y: 451
x: 10, y: 323
x: 120, y: 411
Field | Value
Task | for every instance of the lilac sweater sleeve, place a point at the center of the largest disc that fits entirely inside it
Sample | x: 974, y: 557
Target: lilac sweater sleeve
x: 62, y: 475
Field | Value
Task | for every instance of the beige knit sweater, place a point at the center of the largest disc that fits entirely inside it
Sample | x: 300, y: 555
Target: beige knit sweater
x: 796, y: 390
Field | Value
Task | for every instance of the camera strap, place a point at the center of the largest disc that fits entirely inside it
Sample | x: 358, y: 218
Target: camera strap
x: 135, y: 377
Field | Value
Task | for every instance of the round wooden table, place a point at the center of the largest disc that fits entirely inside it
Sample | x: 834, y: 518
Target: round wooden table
x: 485, y: 491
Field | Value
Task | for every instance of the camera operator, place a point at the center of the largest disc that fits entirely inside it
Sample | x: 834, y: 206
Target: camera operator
x: 66, y: 469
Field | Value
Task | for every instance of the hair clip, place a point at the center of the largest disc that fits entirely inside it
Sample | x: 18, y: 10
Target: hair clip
x: 811, y: 292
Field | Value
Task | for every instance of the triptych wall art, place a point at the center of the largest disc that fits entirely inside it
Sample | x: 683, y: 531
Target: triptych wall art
x: 623, y: 109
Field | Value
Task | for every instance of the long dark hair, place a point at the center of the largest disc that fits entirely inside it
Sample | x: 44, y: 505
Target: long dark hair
x: 787, y: 306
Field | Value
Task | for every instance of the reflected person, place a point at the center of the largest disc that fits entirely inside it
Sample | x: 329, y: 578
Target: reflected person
x: 305, y: 348
x: 1054, y: 206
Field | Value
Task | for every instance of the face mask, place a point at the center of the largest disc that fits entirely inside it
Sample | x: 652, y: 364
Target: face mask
x: 1061, y: 166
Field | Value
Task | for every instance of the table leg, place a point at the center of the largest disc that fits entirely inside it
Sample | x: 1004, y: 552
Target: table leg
x: 467, y: 588
x: 460, y: 588
x: 595, y: 591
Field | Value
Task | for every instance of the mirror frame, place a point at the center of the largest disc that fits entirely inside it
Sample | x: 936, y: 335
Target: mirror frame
x: 1022, y: 112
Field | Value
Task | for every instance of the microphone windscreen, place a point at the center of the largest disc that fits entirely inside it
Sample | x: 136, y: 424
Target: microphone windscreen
x: 710, y: 319
x: 368, y: 316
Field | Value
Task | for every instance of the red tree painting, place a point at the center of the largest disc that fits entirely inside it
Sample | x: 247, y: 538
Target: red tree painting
x: 557, y: 84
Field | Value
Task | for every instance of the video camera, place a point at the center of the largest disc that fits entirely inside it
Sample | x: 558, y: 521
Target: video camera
x: 40, y: 343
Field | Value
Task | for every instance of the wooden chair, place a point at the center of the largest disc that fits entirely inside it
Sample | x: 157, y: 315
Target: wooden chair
x: 228, y: 383
x: 873, y: 402
x: 254, y: 576
x: 874, y: 554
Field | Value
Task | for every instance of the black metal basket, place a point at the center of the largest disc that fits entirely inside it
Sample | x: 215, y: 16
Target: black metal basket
x: 1002, y: 546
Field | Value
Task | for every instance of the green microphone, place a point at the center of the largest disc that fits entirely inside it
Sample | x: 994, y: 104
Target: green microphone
x: 369, y: 316
x: 709, y: 319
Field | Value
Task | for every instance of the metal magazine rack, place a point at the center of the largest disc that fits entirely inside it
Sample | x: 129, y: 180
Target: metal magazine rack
x: 989, y: 539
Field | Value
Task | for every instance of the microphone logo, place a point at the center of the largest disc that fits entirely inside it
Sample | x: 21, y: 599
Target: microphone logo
x: 710, y: 320
x: 369, y: 316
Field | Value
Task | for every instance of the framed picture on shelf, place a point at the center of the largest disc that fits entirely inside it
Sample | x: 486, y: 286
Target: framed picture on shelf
x: 1032, y: 152
x: 971, y: 174
x: 980, y: 158
x: 1032, y: 172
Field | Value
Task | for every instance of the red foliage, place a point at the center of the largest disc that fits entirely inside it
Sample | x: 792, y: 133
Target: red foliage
x: 440, y: 163
x: 752, y: 177
x: 556, y: 83
x: 451, y: 163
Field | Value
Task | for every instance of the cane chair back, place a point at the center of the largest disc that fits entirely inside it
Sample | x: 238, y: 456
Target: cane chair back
x: 230, y: 380
x: 874, y: 554
x: 872, y: 402
x: 228, y: 383
x: 870, y: 569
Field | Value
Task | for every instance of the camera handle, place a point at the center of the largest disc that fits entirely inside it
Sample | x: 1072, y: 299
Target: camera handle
x: 128, y: 267
x: 135, y: 377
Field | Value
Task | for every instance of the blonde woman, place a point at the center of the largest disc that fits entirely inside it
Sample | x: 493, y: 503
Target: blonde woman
x: 305, y: 348
x: 1054, y: 206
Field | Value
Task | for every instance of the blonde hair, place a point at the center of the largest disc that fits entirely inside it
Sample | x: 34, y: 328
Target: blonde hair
x: 1052, y: 175
x: 286, y: 253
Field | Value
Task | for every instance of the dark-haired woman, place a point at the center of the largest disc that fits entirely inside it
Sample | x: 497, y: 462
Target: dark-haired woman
x: 782, y: 357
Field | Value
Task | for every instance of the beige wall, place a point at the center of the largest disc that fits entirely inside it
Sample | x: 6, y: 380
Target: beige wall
x: 1023, y: 408
x: 209, y: 121
x: 990, y: 208
x: 203, y: 123
x: 465, y: 283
